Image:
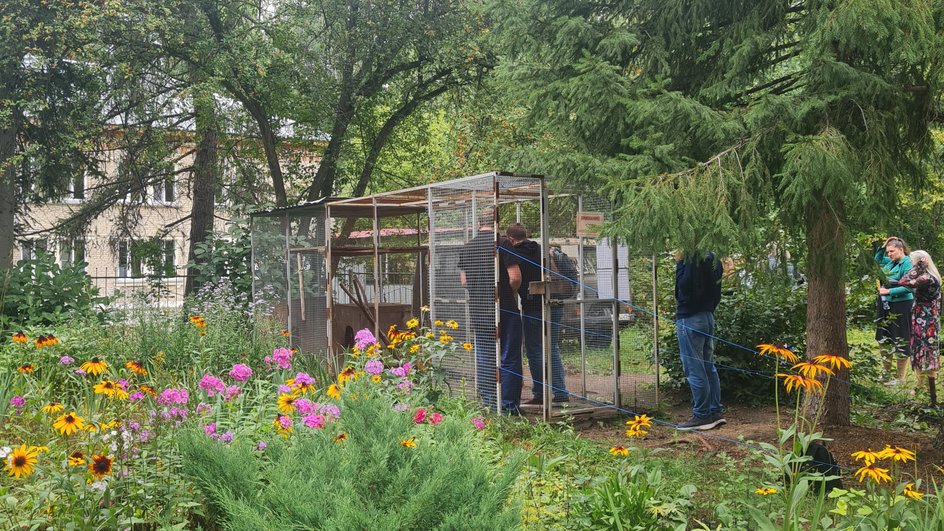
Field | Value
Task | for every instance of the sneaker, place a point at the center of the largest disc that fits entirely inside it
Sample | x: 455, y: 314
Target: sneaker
x: 536, y: 401
x: 702, y: 423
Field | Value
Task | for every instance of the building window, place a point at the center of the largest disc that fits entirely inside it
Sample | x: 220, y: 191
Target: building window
x: 76, y: 190
x: 30, y: 249
x: 164, y: 191
x: 156, y: 258
x: 71, y: 251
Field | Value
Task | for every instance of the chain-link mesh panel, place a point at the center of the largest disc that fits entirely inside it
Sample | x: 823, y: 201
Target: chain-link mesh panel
x: 269, y: 277
x: 307, y: 278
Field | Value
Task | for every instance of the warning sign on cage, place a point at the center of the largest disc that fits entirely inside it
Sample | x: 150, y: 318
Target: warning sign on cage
x: 588, y: 224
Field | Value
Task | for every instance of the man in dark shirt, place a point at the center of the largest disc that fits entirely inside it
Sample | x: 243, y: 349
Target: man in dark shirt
x: 697, y: 294
x: 509, y: 326
x: 477, y: 274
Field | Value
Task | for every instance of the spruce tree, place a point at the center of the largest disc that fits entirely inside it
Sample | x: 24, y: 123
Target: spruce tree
x: 710, y: 119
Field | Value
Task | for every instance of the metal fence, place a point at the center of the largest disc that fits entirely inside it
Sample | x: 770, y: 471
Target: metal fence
x: 125, y: 292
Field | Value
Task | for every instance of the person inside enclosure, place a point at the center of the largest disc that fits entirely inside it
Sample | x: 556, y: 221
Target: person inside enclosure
x: 894, y: 307
x: 476, y: 275
x: 697, y: 294
x: 509, y: 326
x: 529, y: 254
x: 925, y: 280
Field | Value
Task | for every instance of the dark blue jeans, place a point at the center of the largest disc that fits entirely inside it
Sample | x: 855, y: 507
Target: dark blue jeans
x: 510, y: 332
x: 696, y: 345
x: 485, y: 363
x: 533, y: 346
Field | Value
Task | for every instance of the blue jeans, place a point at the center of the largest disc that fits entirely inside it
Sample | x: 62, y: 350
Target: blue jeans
x: 696, y: 344
x: 533, y: 346
x: 485, y: 363
x: 509, y: 324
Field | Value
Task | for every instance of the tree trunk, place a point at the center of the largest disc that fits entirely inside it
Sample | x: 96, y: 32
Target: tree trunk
x: 270, y: 146
x: 206, y: 166
x: 7, y: 195
x: 826, y: 304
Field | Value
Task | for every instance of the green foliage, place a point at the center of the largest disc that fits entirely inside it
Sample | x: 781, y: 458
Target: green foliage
x: 40, y: 293
x: 769, y: 310
x: 226, y: 255
x: 633, y: 498
x: 370, y: 480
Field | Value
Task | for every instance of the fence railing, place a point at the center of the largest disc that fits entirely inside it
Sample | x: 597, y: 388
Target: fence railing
x: 146, y: 290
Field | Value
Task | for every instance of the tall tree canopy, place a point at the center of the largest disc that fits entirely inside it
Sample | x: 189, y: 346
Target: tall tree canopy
x: 709, y: 118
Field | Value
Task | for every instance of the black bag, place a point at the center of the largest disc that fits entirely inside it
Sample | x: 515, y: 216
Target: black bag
x: 565, y: 278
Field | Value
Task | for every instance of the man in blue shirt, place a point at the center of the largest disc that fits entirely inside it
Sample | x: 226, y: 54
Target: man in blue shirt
x: 697, y: 294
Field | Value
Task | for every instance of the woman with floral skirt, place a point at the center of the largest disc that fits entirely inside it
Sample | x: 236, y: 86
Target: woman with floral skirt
x: 925, y: 280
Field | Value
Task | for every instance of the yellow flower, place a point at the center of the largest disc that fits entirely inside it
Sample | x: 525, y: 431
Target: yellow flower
x: 619, y: 451
x: 136, y: 367
x: 375, y: 378
x: 341, y: 437
x: 766, y: 491
x: 414, y: 349
x: 636, y: 432
x: 452, y: 324
x: 897, y: 454
x: 445, y: 338
x: 100, y: 465
x: 409, y: 443
x: 639, y: 421
x: 26, y: 368
x: 911, y: 493
x: 413, y: 323
x: 795, y: 381
x: 438, y: 322
x: 76, y: 458
x: 425, y: 308
x: 429, y: 335
x: 767, y: 349
x: 21, y: 461
x: 69, y: 423
x: 287, y: 402
x: 467, y: 346
x: 866, y: 456
x: 346, y: 375
x: 105, y: 387
x: 834, y: 361
x: 94, y: 366
x: 20, y: 337
x: 812, y: 370
x: 334, y: 391
x: 283, y: 430
x: 52, y: 407
x: 875, y: 473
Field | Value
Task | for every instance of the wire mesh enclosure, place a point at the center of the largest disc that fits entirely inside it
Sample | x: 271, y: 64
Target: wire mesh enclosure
x: 585, y: 318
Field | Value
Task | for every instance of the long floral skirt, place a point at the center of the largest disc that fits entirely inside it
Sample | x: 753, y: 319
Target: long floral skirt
x: 925, y: 337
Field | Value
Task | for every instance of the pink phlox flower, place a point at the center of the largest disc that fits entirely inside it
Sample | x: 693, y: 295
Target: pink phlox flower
x: 122, y: 383
x: 285, y: 421
x: 232, y: 392
x: 66, y: 360
x: 478, y: 422
x: 374, y: 367
x: 261, y: 446
x: 420, y: 416
x: 285, y: 389
x: 241, y: 372
x: 80, y: 372
x: 135, y: 396
x: 212, y: 385
x: 281, y: 357
x: 364, y: 338
x: 172, y: 395
x: 210, y: 429
x: 227, y: 437
x: 17, y: 402
x: 305, y: 406
x: 303, y: 378
x: 406, y: 386
x: 435, y: 418
x: 203, y: 408
x: 330, y: 411
x: 314, y: 421
x: 400, y: 407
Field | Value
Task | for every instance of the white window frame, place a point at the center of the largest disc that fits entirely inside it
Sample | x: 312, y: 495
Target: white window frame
x: 72, y: 251
x: 28, y: 247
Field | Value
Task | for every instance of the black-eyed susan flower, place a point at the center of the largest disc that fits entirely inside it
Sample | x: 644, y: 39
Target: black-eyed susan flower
x: 69, y: 423
x: 409, y: 443
x: 619, y: 451
x: 796, y: 381
x: 767, y: 349
x: 21, y: 461
x: 333, y: 391
x: 136, y: 367
x: 26, y: 368
x: 341, y: 437
x: 52, y: 407
x: 76, y: 458
x: 874, y: 473
x: 347, y: 375
x: 911, y: 493
x: 639, y: 421
x: 452, y: 324
x: 766, y: 491
x: 467, y: 346
x: 375, y: 378
x: 812, y: 370
x: 413, y: 323
x: 636, y: 432
x: 866, y: 456
x: 897, y: 453
x: 100, y: 465
x: 94, y: 366
x: 833, y: 361
x: 285, y: 333
x: 148, y: 390
x: 445, y: 338
x: 20, y: 338
x: 414, y: 349
x: 287, y: 402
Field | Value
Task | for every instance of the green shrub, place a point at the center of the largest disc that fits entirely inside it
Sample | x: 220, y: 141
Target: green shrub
x: 769, y: 311
x: 40, y: 293
x: 633, y: 498
x: 368, y: 481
